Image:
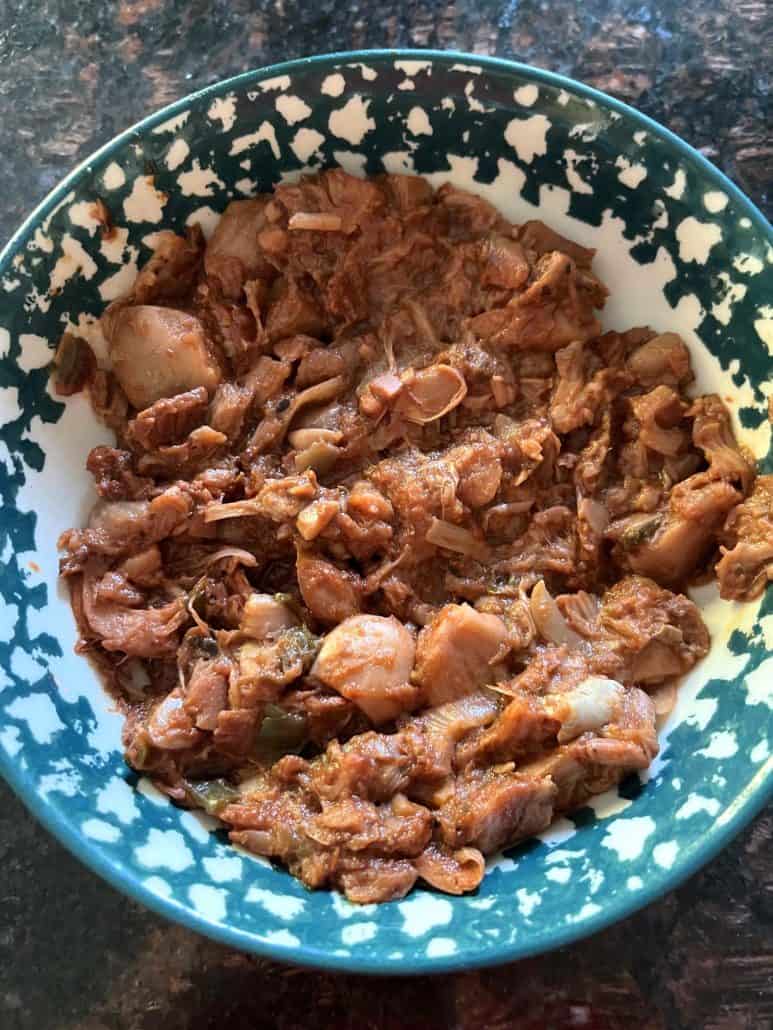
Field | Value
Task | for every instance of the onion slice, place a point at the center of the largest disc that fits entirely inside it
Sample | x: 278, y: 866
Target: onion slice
x: 548, y: 619
x: 237, y: 553
x: 455, y: 538
x: 315, y: 220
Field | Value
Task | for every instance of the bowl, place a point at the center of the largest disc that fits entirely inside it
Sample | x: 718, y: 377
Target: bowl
x: 680, y: 248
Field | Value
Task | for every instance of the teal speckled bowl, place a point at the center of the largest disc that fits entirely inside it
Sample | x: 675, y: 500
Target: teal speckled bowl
x: 679, y: 247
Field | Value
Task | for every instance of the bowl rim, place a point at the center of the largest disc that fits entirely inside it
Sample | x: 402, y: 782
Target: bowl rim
x: 748, y: 802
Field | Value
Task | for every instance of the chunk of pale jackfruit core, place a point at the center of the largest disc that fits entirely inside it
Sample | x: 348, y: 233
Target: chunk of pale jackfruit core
x: 458, y: 652
x: 266, y: 616
x: 158, y: 352
x: 368, y: 660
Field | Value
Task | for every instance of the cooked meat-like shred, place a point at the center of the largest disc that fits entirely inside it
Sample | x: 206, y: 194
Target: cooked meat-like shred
x: 389, y: 561
x: 746, y: 565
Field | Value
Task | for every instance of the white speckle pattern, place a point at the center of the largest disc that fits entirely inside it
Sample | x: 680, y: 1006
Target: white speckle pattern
x: 113, y: 248
x: 67, y: 781
x: 24, y: 666
x: 763, y: 327
x: 305, y: 143
x: 590, y: 908
x: 99, y: 830
x: 172, y: 124
x: 760, y: 751
x: 209, y: 902
x: 145, y: 203
x: 665, y: 853
x: 585, y: 131
x: 484, y: 904
x: 280, y: 905
x: 748, y: 264
x: 358, y: 933
x: 333, y: 85
x: 440, y: 947
x: 41, y: 242
x: 472, y: 101
x: 199, y: 182
x: 527, y: 95
x: 528, y: 136
x: 176, y: 154
x: 678, y: 186
x: 116, y: 285
x: 280, y: 82
x: 368, y: 73
x: 264, y: 134
x: 720, y: 745
x: 74, y: 261
x: 527, y: 901
x: 223, y: 109
x: 9, y: 738
x: 9, y: 613
x: 696, y: 239
x: 733, y: 292
x: 117, y: 798
x: 158, y: 886
x: 631, y: 174
x: 634, y: 883
x: 422, y: 912
x: 282, y: 938
x: 573, y: 177
x: 165, y: 849
x: 113, y: 177
x: 715, y: 201
x: 413, y: 67
x: 223, y: 868
x: 595, y: 879
x: 83, y: 214
x: 628, y: 836
x: 703, y: 712
x: 563, y: 855
x: 352, y: 122
x: 38, y: 711
x: 35, y: 352
x: 418, y: 122
x: 695, y: 804
x: 292, y: 109
x: 561, y: 874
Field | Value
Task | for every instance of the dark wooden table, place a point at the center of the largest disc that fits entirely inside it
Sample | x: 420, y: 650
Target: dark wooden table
x: 75, y: 955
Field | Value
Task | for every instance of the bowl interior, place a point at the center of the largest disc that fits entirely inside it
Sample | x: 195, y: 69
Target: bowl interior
x: 678, y: 247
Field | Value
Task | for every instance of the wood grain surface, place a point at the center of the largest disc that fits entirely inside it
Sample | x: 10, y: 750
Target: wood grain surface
x: 74, y: 954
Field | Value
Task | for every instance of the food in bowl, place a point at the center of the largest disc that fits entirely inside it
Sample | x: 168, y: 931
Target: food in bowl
x: 386, y: 569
